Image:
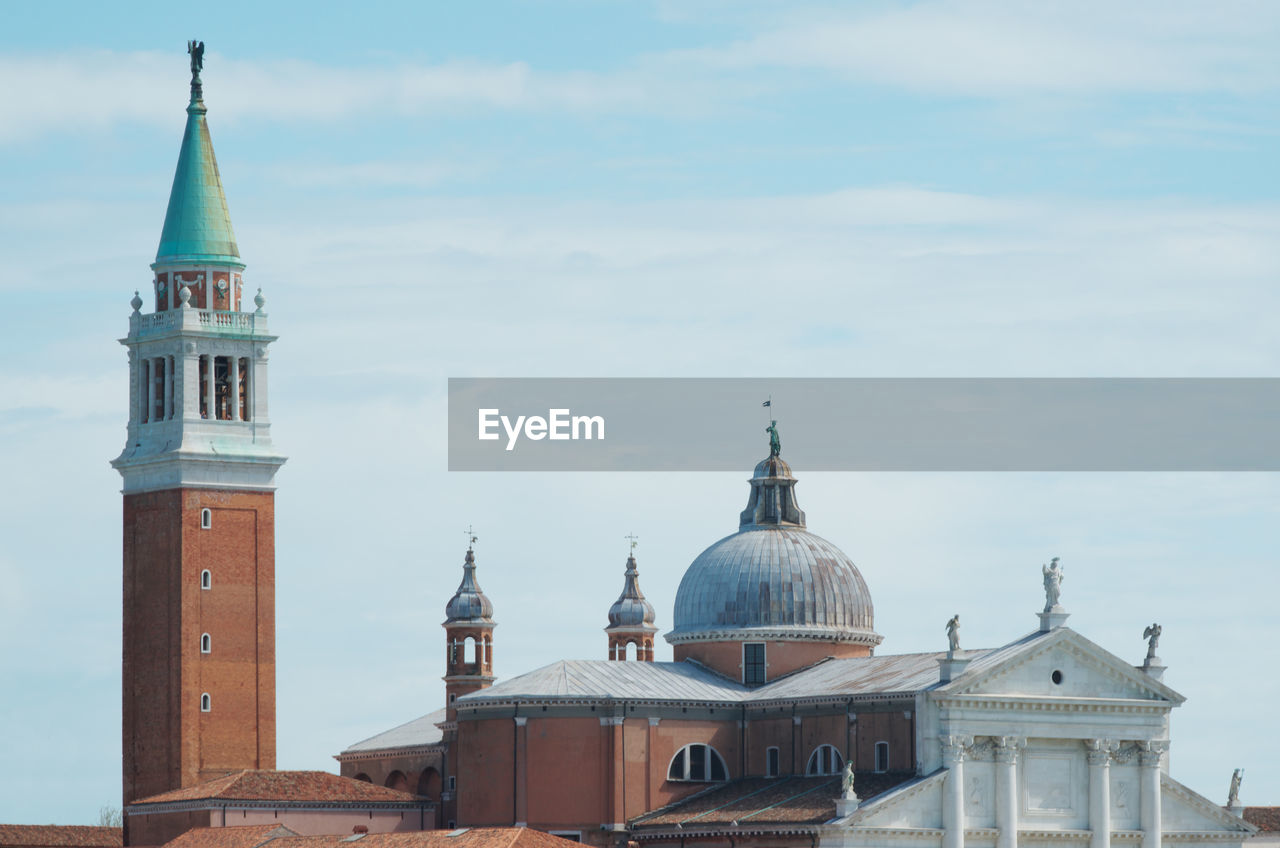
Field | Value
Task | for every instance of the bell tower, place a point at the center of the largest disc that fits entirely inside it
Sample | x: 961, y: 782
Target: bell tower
x: 468, y: 629
x: 631, y: 617
x: 198, y: 473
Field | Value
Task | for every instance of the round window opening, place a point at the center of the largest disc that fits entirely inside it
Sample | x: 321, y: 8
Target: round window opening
x: 1057, y: 676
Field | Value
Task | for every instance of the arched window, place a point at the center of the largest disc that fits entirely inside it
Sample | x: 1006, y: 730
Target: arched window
x: 364, y: 777
x: 206, y: 518
x: 205, y: 703
x: 631, y: 651
x: 206, y: 644
x: 697, y: 762
x: 882, y: 756
x: 825, y: 759
x: 771, y: 762
x: 397, y: 781
x: 206, y: 579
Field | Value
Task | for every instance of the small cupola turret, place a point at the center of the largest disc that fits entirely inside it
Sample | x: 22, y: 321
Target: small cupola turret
x: 468, y: 628
x: 631, y: 617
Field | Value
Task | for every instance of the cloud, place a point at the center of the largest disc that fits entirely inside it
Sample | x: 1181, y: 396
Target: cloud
x: 990, y: 49
x: 65, y: 92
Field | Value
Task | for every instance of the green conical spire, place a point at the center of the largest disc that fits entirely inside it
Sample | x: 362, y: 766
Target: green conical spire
x: 197, y: 226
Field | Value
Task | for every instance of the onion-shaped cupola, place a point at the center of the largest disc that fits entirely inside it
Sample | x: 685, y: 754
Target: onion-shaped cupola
x: 631, y: 618
x: 469, y: 604
x: 468, y: 629
x: 773, y: 596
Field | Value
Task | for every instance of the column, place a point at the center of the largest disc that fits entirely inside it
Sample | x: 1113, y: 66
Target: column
x: 209, y: 393
x: 233, y: 371
x: 521, y: 800
x: 953, y: 793
x: 149, y: 370
x: 1099, y: 792
x: 1149, y: 757
x: 1007, y: 791
x: 135, y: 385
x: 170, y: 362
x: 618, y: 782
x: 651, y: 778
x: 796, y: 722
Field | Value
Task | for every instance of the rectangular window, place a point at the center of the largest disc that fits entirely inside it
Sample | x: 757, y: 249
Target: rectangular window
x: 882, y: 756
x: 753, y: 663
x: 771, y: 762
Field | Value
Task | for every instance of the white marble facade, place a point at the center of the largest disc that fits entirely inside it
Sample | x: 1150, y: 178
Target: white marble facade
x: 1050, y: 740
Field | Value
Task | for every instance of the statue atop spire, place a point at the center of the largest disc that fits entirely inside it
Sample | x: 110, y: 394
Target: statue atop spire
x: 196, y: 50
x: 775, y: 444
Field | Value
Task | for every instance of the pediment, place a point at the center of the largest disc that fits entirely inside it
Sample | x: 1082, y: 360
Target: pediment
x: 1059, y: 664
x: 917, y: 804
x: 1185, y: 811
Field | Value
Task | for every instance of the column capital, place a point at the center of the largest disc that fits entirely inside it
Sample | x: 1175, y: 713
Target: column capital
x: 1007, y: 748
x: 1100, y: 750
x: 653, y: 720
x: 1151, y: 753
x: 953, y: 748
x: 520, y: 721
x: 611, y: 721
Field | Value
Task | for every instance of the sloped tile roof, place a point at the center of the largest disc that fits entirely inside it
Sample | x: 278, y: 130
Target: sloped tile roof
x: 57, y: 836
x: 1265, y: 819
x: 265, y: 785
x: 690, y: 681
x: 245, y: 836
x: 473, y: 837
x: 571, y: 679
x: 412, y: 734
x: 765, y: 801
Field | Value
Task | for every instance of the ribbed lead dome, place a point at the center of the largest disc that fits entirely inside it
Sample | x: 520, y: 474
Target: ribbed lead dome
x: 469, y: 603
x: 773, y: 578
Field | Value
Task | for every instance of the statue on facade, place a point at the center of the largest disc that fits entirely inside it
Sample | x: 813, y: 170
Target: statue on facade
x: 775, y: 444
x: 846, y: 784
x: 1233, y: 794
x: 1052, y: 584
x: 1152, y: 635
x: 953, y: 634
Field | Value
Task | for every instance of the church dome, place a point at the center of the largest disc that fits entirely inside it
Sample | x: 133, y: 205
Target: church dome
x: 773, y: 579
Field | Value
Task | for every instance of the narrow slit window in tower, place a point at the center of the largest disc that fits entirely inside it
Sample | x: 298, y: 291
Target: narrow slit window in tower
x: 205, y: 703
x: 206, y: 579
x: 206, y: 644
x: 206, y: 518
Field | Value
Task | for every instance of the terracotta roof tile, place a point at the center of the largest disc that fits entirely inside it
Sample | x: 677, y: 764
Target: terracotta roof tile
x: 246, y: 836
x: 766, y: 801
x: 264, y: 785
x: 474, y: 837
x: 57, y: 836
x: 1266, y: 819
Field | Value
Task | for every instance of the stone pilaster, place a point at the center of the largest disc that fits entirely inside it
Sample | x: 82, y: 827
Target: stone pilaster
x: 1099, y: 755
x: 1150, y: 756
x: 953, y: 749
x: 1006, y: 756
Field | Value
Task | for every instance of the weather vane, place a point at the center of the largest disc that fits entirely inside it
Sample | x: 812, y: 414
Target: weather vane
x: 634, y: 540
x: 471, y: 537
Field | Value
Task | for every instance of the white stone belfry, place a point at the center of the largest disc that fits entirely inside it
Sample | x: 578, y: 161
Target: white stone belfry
x: 197, y: 364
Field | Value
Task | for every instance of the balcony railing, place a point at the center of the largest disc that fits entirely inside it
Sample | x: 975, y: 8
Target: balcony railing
x: 204, y: 320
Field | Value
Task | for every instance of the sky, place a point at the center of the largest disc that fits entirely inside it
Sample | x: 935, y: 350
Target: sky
x: 589, y: 189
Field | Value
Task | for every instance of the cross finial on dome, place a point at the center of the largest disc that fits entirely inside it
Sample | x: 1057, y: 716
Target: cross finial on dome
x: 634, y: 540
